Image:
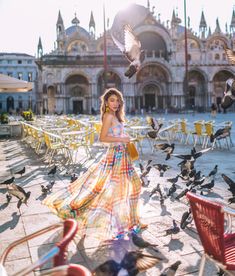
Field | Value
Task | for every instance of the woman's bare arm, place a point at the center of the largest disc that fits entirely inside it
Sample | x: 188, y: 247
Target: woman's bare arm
x: 106, y: 124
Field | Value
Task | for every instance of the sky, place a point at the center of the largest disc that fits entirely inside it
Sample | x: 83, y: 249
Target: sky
x: 23, y: 21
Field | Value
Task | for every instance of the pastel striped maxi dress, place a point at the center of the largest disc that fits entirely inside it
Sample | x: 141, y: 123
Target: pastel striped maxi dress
x: 104, y: 200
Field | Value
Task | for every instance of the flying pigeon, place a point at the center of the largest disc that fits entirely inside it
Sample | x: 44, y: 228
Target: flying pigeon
x: 229, y: 94
x: 168, y: 148
x: 230, y: 182
x: 133, y: 262
x: 131, y: 49
x: 18, y: 192
x: 162, y: 168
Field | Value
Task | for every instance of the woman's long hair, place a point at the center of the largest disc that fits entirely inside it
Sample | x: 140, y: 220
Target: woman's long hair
x: 104, y: 99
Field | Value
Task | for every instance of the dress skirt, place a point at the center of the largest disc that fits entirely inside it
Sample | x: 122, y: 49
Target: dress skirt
x: 104, y: 200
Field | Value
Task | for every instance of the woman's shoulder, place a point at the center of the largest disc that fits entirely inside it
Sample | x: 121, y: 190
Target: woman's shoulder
x: 108, y: 116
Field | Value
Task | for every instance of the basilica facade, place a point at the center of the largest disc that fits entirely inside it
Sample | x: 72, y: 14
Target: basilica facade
x: 73, y: 76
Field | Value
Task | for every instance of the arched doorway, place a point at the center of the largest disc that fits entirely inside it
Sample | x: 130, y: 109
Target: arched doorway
x: 77, y: 92
x: 153, y: 88
x: 191, y: 96
x: 152, y: 97
x: 10, y: 103
x: 196, y: 94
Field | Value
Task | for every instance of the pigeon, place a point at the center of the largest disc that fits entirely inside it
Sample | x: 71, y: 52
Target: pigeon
x: 155, y: 190
x: 154, y: 123
x: 48, y: 188
x: 133, y: 262
x: 209, y: 185
x: 146, y: 170
x: 186, y: 219
x: 52, y: 171
x: 21, y: 172
x: 73, y: 178
x: 196, y: 182
x: 173, y: 180
x: 131, y: 49
x: 183, y: 193
x: 141, y: 243
x: 9, y: 197
x: 168, y: 148
x: 220, y: 134
x: 44, y: 190
x: 229, y: 94
x: 193, y: 156
x: 231, y: 200
x: 9, y: 181
x: 160, y: 193
x: 171, y: 190
x: 171, y: 270
x: 144, y: 181
x: 162, y: 168
x: 19, y: 192
x: 230, y: 182
x: 214, y: 171
x: 173, y: 230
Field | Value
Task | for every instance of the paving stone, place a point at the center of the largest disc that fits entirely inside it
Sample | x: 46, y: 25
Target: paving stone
x: 16, y: 265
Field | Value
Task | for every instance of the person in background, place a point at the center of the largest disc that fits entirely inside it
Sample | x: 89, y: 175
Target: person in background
x: 213, y: 110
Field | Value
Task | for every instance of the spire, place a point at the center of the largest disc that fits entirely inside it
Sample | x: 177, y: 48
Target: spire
x: 217, y: 29
x: 92, y: 25
x: 174, y: 19
x: 232, y: 25
x: 40, y: 49
x: 60, y: 20
x: 60, y: 25
x: 202, y: 22
x: 92, y: 21
x: 148, y: 5
x: 202, y: 26
x: 75, y: 21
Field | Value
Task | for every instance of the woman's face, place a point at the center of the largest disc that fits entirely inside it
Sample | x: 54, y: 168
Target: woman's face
x: 113, y: 103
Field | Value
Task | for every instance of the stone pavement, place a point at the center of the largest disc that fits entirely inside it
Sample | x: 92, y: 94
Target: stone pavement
x: 184, y: 246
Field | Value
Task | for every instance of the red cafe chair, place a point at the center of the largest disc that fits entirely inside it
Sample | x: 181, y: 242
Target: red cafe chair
x: 58, y: 253
x: 213, y: 222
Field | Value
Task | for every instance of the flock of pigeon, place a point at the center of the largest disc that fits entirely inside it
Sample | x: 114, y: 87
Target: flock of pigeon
x: 192, y: 179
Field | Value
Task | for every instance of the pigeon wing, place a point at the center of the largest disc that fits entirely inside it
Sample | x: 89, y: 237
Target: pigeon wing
x: 145, y: 262
x: 228, y: 180
x: 141, y: 261
x: 132, y: 44
x: 16, y: 190
x: 230, y: 55
x: 118, y: 44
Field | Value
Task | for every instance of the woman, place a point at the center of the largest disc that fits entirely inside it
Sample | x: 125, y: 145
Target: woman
x: 104, y: 200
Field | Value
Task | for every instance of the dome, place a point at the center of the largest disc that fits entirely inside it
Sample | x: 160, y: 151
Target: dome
x: 77, y: 29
